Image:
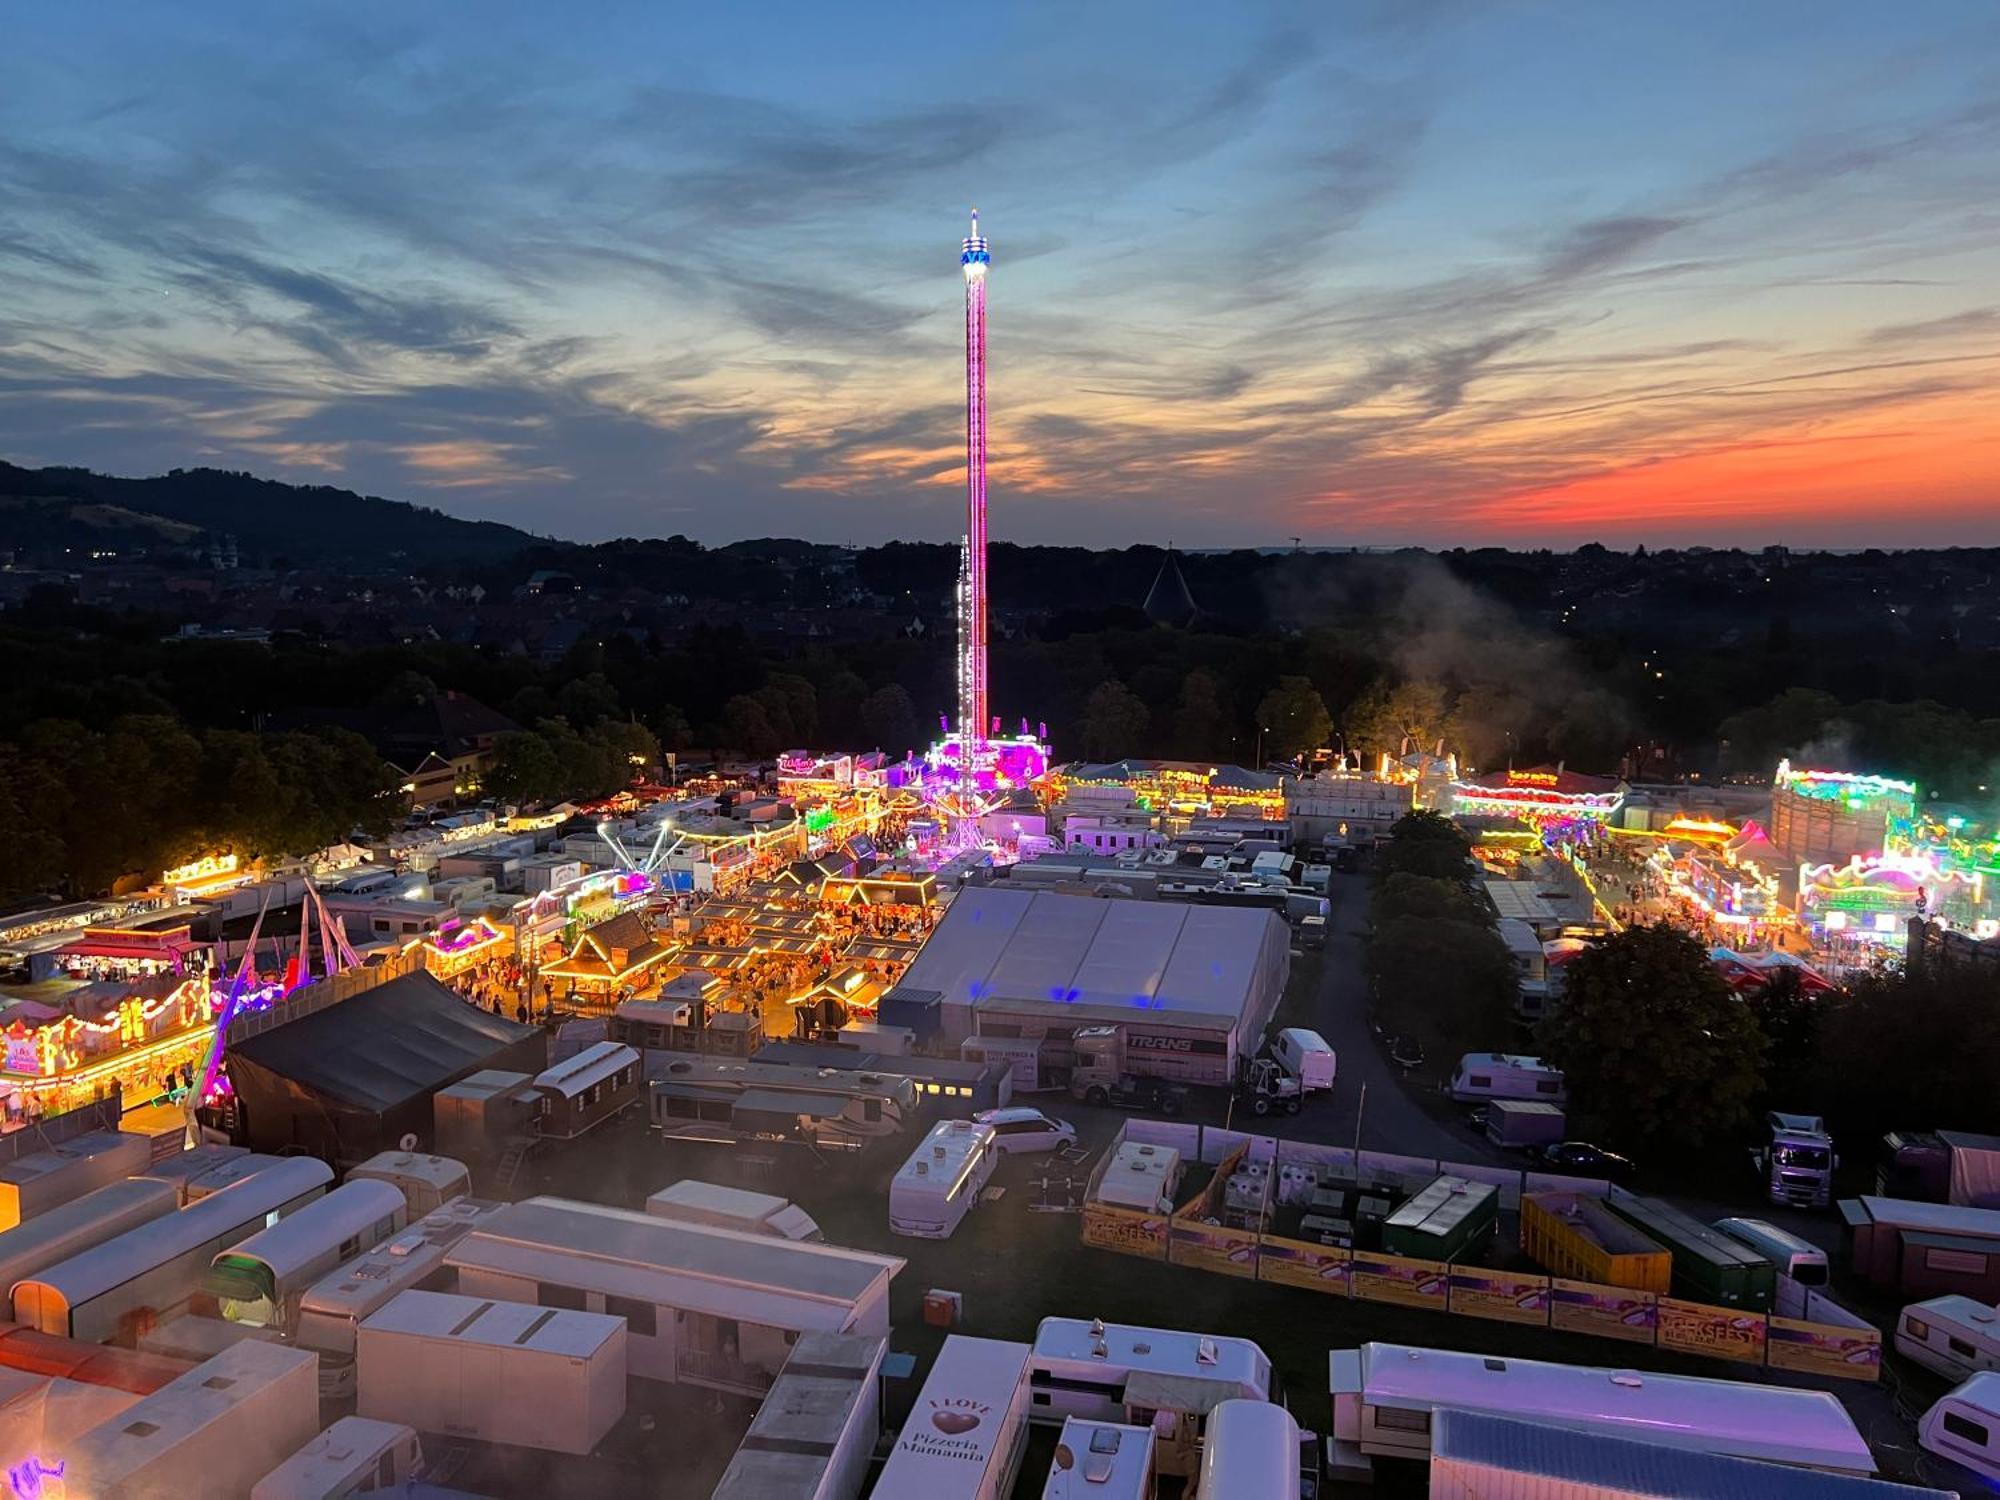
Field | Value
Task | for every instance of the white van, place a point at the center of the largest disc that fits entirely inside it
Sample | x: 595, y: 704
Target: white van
x: 1307, y: 1056
x: 1954, y: 1336
x: 932, y: 1191
x: 1505, y: 1075
x: 1964, y: 1427
x: 694, y: 1202
x: 1799, y: 1259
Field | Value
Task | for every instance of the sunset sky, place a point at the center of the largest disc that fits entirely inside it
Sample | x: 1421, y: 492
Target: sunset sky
x: 1445, y: 273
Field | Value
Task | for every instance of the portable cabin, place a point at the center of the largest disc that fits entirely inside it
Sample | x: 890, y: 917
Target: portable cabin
x: 477, y: 1117
x: 37, y: 1182
x: 1251, y: 1448
x: 1963, y: 1427
x: 1451, y: 1217
x: 577, y: 1095
x: 1386, y: 1398
x: 953, y: 1085
x: 426, y: 1182
x: 1524, y: 1122
x: 1103, y: 1461
x: 501, y: 1372
x: 216, y: 1430
x: 966, y: 1434
x: 1141, y: 1176
x: 1952, y: 1336
x: 74, y: 1227
x: 259, y: 1280
x: 356, y: 1455
x: 334, y: 1307
x: 1925, y: 1248
x: 705, y: 1306
x: 1708, y: 1266
x: 1085, y: 1368
x: 1573, y: 1236
x: 122, y: 1287
x: 815, y: 1433
x: 933, y: 1191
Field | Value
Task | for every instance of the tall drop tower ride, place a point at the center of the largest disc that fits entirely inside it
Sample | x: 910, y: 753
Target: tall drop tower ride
x: 973, y: 724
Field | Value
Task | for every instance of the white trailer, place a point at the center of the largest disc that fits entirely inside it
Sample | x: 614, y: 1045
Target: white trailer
x: 1385, y: 1397
x: 1102, y: 1461
x: 75, y: 1227
x: 1251, y: 1448
x: 1480, y: 1457
x: 1964, y: 1427
x: 426, y: 1182
x: 1506, y: 1075
x: 1954, y: 1336
x: 353, y: 1456
x: 706, y: 1306
x: 333, y: 1308
x: 933, y: 1191
x: 259, y: 1280
x: 967, y: 1431
x: 214, y: 1431
x: 694, y: 1202
x: 185, y: 1167
x: 117, y: 1290
x: 500, y: 1372
x: 1141, y: 1176
x: 1307, y: 1056
x: 814, y: 1436
x: 33, y: 1184
x: 1081, y: 1368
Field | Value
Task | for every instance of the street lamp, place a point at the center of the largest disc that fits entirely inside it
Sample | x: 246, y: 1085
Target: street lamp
x: 1261, y: 732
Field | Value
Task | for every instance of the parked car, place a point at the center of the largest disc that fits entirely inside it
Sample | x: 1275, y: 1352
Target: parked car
x: 1024, y: 1128
x: 1586, y: 1160
x: 1406, y: 1051
x: 1130, y: 1092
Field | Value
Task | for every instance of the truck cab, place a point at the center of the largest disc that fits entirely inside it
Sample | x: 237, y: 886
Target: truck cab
x: 1101, y: 1076
x: 1799, y: 1163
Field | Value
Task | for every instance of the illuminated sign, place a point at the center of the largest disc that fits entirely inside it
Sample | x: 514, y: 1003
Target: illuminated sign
x: 1532, y: 778
x: 201, y: 869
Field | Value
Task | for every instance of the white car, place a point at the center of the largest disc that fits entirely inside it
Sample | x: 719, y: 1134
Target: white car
x: 1024, y: 1128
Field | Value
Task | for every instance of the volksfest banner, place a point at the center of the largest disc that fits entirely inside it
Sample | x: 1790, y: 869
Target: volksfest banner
x: 1824, y: 1349
x: 1718, y: 1332
x: 1504, y: 1296
x: 1610, y: 1312
x: 1381, y: 1277
x: 1320, y: 1268
x: 1212, y: 1247
x: 1126, y: 1230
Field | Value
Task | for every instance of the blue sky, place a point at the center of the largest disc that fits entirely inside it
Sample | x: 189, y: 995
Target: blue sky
x: 1437, y: 272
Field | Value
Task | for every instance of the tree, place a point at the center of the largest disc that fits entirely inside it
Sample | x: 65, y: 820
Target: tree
x: 1201, y: 723
x: 891, y: 719
x: 1452, y: 981
x: 1294, y: 719
x: 1907, y: 1050
x: 1386, y: 716
x: 1426, y: 899
x: 1425, y: 843
x: 746, y: 726
x: 1114, y: 721
x: 1658, y: 1052
x: 1789, y: 1019
x: 587, y: 700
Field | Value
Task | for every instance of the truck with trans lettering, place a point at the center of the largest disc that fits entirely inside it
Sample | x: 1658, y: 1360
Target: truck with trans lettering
x: 1104, y: 1075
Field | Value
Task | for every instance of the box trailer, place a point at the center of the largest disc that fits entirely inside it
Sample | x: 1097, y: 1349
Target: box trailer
x: 966, y: 1433
x: 814, y: 1436
x: 1975, y: 1169
x: 1708, y: 1266
x: 74, y: 1227
x: 33, y: 1184
x: 1520, y: 1123
x: 1925, y: 1248
x: 499, y: 1372
x: 179, y: 1168
x: 719, y: 1207
x: 1576, y: 1237
x: 1451, y: 1217
x: 215, y: 1431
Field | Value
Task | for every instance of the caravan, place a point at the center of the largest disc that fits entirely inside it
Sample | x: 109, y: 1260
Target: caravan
x: 1964, y: 1427
x: 1505, y: 1075
x: 1954, y: 1336
x: 966, y: 1434
x: 937, y: 1186
x: 1082, y: 1369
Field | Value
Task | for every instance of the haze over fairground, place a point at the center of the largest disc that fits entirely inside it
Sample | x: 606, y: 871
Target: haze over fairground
x: 1437, y: 273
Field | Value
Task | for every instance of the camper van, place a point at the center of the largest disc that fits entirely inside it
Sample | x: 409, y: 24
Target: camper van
x: 1954, y: 1336
x: 1964, y: 1427
x: 1799, y: 1259
x: 1307, y: 1056
x: 933, y: 1191
x: 1505, y: 1075
x: 426, y: 1182
x: 1141, y: 1176
x: 719, y: 1207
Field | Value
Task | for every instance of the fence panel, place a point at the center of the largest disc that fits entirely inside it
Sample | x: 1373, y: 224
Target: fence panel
x: 1126, y: 1230
x: 1718, y: 1332
x: 1827, y: 1349
x: 1401, y: 1279
x: 1503, y: 1296
x: 1609, y: 1312
x: 1212, y: 1247
x: 1319, y: 1268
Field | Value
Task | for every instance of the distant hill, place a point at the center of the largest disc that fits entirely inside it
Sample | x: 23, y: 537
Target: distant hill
x: 43, y: 511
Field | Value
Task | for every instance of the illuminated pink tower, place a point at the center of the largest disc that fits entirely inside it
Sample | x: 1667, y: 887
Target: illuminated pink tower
x: 973, y: 725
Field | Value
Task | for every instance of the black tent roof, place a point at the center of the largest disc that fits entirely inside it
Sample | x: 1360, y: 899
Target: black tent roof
x: 385, y: 1046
